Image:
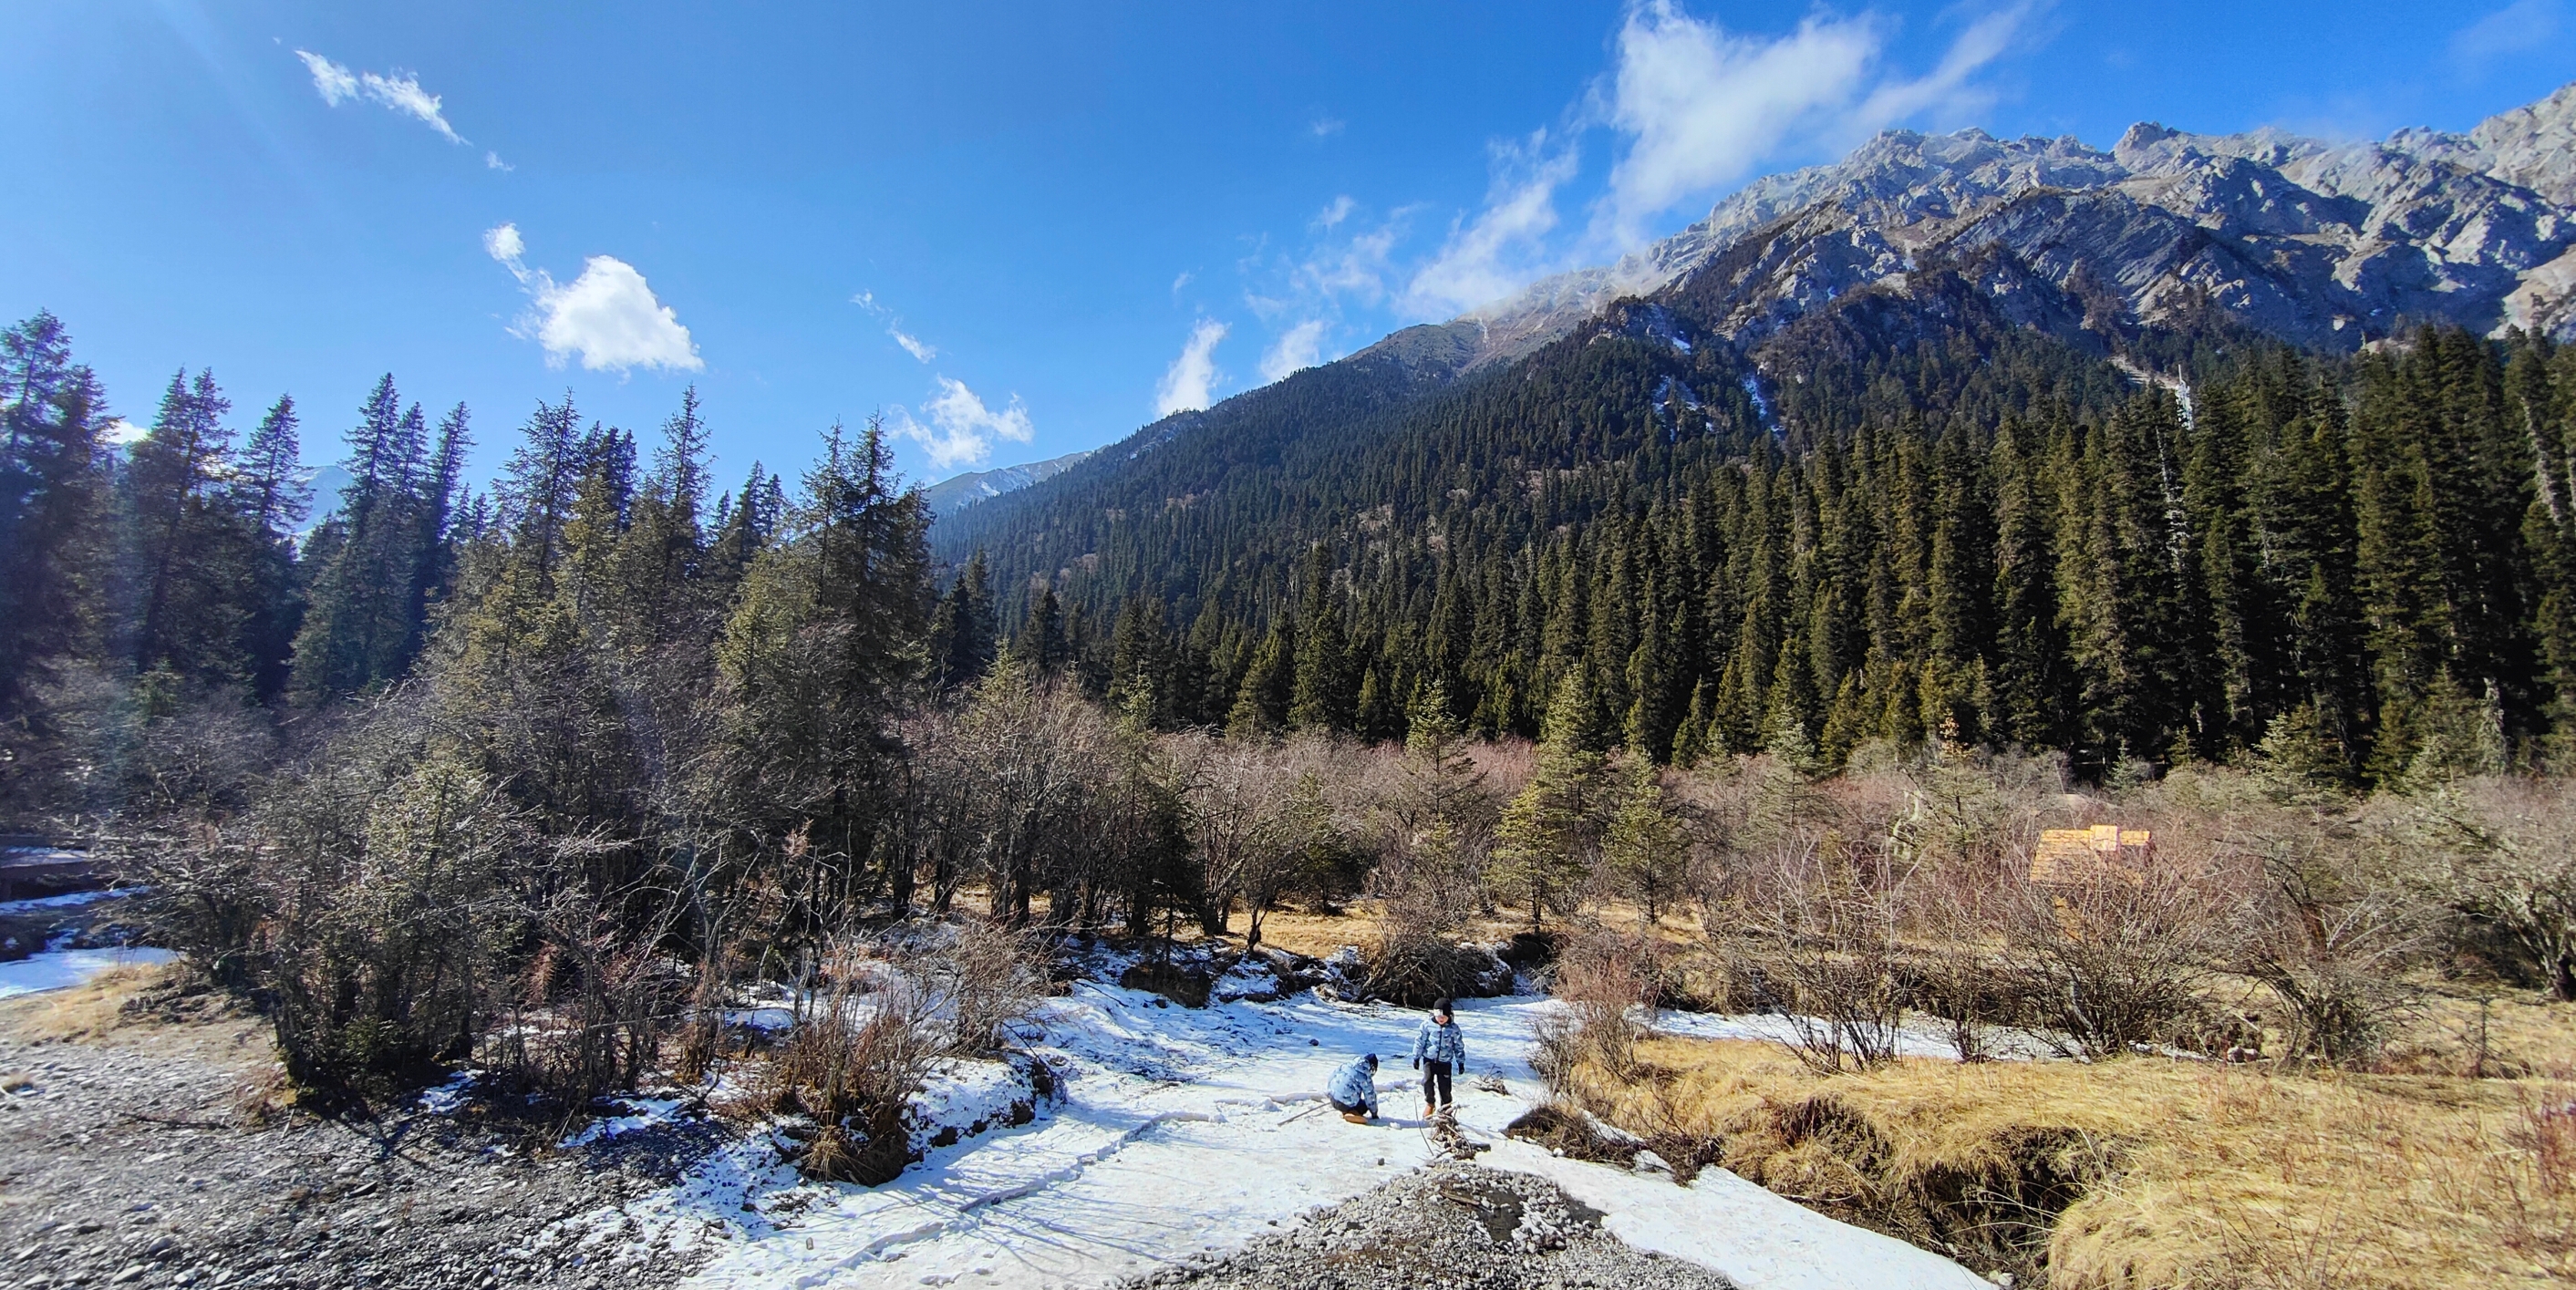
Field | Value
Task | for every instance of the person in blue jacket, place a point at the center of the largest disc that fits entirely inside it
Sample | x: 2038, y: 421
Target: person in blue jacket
x: 1353, y: 1090
x: 1438, y: 1052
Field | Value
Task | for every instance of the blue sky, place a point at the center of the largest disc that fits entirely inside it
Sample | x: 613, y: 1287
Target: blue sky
x: 1015, y: 230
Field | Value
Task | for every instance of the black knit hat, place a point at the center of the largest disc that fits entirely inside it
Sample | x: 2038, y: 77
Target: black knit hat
x: 1442, y: 1007
x: 1372, y: 1061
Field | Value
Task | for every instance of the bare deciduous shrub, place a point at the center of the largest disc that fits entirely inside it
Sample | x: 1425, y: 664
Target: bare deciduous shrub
x: 2117, y: 956
x: 2505, y: 856
x: 979, y: 980
x: 2329, y: 939
x: 594, y: 1005
x: 1830, y: 931
x: 862, y: 1041
x: 1600, y: 980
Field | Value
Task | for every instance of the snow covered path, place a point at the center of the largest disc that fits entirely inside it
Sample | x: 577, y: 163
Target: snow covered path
x: 1185, y: 1132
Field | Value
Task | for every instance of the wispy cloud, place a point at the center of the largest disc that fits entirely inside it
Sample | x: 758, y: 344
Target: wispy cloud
x: 961, y: 427
x: 1325, y: 127
x: 2516, y: 28
x: 1297, y: 349
x: 1702, y: 107
x: 608, y: 316
x: 1190, y: 382
x: 1504, y: 245
x: 1696, y: 109
x: 400, y: 93
x: 492, y: 161
x: 922, y: 351
x: 1335, y: 212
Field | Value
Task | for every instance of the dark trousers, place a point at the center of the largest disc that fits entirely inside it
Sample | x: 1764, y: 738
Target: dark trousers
x: 1435, y: 1083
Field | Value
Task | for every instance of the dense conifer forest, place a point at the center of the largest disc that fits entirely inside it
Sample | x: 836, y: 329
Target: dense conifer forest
x: 1906, y: 518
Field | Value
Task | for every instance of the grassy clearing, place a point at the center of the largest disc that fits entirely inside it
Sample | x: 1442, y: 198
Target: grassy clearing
x: 2139, y: 1172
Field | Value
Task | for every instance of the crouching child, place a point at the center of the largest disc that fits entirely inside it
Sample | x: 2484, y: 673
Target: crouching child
x: 1353, y: 1090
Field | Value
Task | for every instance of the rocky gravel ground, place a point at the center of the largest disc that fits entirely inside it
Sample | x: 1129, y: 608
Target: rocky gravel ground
x: 1452, y: 1225
x: 127, y: 1159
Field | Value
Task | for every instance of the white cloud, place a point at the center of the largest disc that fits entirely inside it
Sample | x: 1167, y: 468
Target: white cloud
x: 334, y: 82
x: 1297, y: 349
x: 400, y: 93
x: 921, y: 350
x: 1697, y: 109
x: 609, y: 315
x: 1949, y: 90
x: 1702, y: 107
x: 962, y: 428
x: 404, y: 94
x: 2518, y: 27
x: 1324, y: 127
x: 1337, y: 212
x: 1356, y: 268
x: 1191, y: 380
x: 1490, y: 256
x: 122, y: 432
x: 492, y: 161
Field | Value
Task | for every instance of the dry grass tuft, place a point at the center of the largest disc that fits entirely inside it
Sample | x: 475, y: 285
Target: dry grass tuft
x: 2141, y: 1172
x: 86, y: 1012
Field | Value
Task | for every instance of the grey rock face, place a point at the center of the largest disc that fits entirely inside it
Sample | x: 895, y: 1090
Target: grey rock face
x: 2320, y: 243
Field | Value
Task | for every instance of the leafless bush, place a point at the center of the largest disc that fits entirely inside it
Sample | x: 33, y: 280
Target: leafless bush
x: 2330, y: 936
x: 979, y: 980
x: 2504, y: 863
x: 595, y: 1003
x: 2118, y: 956
x: 1423, y: 908
x: 862, y: 1042
x: 1600, y: 979
x: 1835, y: 946
x: 1957, y: 968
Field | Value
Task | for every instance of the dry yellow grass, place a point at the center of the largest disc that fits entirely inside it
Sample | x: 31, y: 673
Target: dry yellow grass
x: 2190, y: 1174
x: 96, y: 1012
x: 88, y: 1011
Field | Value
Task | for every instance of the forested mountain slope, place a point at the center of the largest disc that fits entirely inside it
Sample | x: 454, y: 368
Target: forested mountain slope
x: 2009, y: 442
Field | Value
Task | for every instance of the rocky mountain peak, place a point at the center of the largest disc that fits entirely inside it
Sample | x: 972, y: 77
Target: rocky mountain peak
x: 2323, y: 243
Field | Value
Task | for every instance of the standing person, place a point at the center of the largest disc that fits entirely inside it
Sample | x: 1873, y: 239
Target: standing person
x: 1439, y: 1052
x: 1353, y: 1090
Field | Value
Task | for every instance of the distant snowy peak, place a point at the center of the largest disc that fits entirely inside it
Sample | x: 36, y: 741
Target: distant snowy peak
x: 2321, y: 243
x: 949, y: 496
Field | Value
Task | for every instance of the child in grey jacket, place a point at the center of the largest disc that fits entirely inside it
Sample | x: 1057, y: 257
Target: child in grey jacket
x: 1439, y: 1052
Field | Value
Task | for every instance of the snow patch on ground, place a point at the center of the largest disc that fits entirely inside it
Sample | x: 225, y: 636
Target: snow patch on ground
x: 57, y: 969
x: 451, y: 1097
x: 73, y: 900
x: 965, y: 1098
x: 1911, y: 1040
x: 1178, y: 1133
x: 634, y: 1113
x: 1737, y: 1229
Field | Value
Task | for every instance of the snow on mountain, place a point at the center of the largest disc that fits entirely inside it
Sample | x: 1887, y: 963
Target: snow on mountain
x: 949, y: 496
x: 2321, y: 243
